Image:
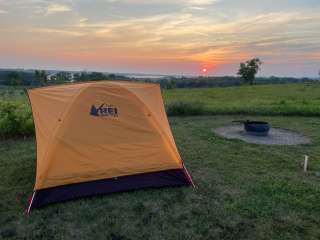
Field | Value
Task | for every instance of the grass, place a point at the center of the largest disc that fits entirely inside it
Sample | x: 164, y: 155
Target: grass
x: 244, y: 191
x: 16, y: 94
x: 179, y: 108
x: 301, y: 99
x: 286, y: 99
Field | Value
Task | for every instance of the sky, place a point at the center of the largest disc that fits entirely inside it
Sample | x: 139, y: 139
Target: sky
x: 162, y: 36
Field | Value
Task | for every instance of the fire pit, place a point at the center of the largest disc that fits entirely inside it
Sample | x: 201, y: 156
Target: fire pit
x: 256, y: 128
x: 259, y: 132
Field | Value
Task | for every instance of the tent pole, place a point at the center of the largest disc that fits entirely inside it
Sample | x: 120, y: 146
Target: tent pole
x: 188, y: 176
x: 30, y: 204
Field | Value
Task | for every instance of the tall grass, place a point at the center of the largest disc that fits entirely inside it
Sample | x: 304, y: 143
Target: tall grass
x: 15, y: 120
x: 180, y: 108
x: 273, y: 100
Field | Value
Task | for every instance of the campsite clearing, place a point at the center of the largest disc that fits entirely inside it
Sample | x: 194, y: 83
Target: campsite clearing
x: 244, y: 191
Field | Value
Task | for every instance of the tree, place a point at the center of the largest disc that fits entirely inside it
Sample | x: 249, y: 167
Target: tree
x: 88, y: 76
x: 62, y: 77
x: 13, y: 79
x: 249, y: 69
x: 78, y: 77
x: 41, y: 77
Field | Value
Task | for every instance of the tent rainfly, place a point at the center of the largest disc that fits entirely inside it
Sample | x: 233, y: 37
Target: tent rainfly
x: 102, y: 137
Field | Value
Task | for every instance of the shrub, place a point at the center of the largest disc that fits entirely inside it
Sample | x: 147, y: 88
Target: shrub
x: 15, y: 120
x: 186, y: 109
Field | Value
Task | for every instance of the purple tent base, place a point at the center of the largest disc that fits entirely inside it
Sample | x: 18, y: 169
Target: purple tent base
x: 167, y: 178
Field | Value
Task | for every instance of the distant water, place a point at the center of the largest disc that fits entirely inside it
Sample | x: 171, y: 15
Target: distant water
x: 144, y: 76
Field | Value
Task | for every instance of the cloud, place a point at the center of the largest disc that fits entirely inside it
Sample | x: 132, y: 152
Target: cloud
x: 57, y: 31
x: 3, y: 11
x: 57, y: 8
x: 202, y: 2
x: 196, y: 8
x: 83, y: 20
x: 185, y: 33
x: 200, y: 39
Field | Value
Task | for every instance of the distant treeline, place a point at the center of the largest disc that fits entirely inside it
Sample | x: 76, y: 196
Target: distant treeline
x: 41, y: 78
x: 225, y: 81
x: 24, y: 78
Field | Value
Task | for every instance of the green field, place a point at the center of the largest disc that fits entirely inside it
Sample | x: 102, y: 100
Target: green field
x: 285, y: 99
x: 244, y: 191
x: 282, y: 99
x: 265, y: 100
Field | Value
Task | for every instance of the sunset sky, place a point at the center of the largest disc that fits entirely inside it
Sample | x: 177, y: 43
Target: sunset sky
x: 162, y: 36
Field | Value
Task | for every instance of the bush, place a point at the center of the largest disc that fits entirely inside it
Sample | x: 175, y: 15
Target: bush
x: 186, y: 109
x: 15, y: 120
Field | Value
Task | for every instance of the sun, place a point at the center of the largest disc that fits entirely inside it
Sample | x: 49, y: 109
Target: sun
x: 204, y: 70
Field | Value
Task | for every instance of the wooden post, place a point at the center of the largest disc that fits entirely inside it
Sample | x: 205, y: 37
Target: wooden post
x: 305, y: 165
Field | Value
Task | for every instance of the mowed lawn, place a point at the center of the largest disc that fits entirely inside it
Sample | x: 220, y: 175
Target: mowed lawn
x: 282, y: 99
x: 244, y: 191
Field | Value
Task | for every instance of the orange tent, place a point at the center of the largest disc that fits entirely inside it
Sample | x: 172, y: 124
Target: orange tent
x: 102, y: 137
